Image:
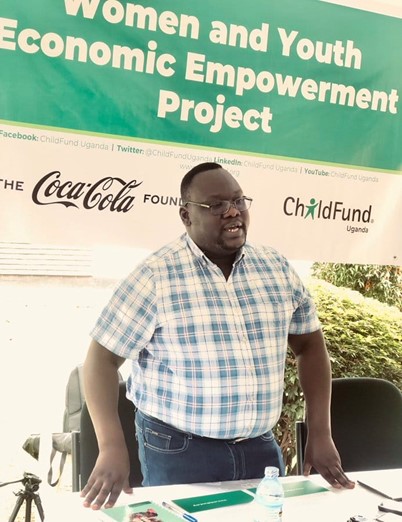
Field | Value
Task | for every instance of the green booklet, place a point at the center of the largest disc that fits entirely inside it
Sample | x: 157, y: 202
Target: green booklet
x: 302, y: 487
x: 139, y: 512
x: 216, y: 500
x: 299, y: 487
x: 233, y: 498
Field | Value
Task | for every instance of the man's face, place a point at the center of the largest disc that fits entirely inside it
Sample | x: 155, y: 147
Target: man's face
x: 216, y: 236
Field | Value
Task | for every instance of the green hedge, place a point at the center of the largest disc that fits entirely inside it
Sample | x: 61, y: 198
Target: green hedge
x: 363, y: 337
x: 382, y: 282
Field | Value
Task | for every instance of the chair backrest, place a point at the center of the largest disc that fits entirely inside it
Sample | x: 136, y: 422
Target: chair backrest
x: 75, y: 399
x: 366, y: 420
x: 88, y: 450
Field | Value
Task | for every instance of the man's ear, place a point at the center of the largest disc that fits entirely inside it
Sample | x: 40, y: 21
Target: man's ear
x: 185, y: 216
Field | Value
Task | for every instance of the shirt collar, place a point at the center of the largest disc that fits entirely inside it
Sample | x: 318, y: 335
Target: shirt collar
x: 200, y: 254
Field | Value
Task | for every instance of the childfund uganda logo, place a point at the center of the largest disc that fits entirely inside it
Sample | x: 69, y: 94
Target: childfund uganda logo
x: 314, y: 209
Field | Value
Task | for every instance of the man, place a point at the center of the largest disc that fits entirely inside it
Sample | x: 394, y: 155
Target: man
x: 206, y: 322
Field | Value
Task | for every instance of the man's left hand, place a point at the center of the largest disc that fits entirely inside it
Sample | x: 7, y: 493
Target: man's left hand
x: 322, y: 455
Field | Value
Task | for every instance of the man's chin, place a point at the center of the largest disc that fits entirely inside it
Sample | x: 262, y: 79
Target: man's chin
x: 232, y: 246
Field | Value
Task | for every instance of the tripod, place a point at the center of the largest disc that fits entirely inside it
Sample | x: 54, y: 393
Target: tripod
x: 27, y: 495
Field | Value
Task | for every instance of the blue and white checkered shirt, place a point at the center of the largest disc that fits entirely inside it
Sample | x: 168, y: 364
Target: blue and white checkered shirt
x: 208, y: 354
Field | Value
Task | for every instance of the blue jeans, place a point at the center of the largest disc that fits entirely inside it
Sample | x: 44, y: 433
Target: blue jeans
x: 171, y: 456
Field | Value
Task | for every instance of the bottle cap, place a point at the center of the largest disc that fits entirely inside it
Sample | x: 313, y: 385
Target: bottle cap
x: 271, y: 471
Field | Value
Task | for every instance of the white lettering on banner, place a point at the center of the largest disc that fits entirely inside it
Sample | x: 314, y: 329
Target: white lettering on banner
x: 50, y: 190
x: 53, y: 45
x: 243, y: 79
x: 138, y: 16
x: 335, y: 53
x: 205, y: 113
x: 238, y: 36
x: 199, y: 69
x: 6, y: 32
x: 26, y: 40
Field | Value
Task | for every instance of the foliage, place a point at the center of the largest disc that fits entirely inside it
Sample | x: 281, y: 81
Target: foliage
x: 292, y: 410
x: 363, y: 337
x: 383, y: 282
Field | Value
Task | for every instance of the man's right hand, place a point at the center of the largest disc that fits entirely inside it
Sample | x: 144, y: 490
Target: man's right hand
x: 108, y: 479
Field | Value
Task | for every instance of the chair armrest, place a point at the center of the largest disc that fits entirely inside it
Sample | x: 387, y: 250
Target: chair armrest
x: 75, y: 460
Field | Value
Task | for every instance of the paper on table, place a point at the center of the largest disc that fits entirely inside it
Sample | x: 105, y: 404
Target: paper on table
x: 299, y: 487
x: 232, y: 498
x: 139, y: 512
x: 387, y: 483
x: 302, y: 487
x: 216, y: 500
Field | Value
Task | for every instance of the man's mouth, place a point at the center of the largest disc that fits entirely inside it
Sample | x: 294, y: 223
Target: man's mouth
x: 233, y: 227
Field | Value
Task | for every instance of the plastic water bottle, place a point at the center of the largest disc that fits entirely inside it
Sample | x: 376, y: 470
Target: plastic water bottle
x: 268, y: 502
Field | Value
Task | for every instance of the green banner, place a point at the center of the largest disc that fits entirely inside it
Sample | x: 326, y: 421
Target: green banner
x: 287, y: 79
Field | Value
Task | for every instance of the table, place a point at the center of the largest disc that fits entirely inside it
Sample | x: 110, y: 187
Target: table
x: 329, y: 506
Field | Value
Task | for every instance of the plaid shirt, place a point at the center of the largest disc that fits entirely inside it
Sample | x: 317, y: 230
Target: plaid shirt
x: 208, y: 354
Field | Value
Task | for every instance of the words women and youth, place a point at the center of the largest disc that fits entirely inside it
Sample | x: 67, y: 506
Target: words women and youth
x: 198, y: 68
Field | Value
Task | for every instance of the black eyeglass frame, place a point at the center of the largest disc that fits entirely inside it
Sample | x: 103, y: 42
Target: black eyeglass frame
x: 247, y: 201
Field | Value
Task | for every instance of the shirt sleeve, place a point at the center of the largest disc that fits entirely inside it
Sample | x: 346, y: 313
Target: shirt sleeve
x: 127, y: 322
x: 305, y: 319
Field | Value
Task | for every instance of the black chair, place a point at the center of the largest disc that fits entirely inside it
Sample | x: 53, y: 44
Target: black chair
x: 366, y: 421
x: 85, y: 445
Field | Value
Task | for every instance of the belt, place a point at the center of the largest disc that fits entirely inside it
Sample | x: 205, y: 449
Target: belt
x: 228, y: 441
x: 236, y: 441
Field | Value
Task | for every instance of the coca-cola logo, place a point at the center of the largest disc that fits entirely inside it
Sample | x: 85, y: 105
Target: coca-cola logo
x: 108, y: 193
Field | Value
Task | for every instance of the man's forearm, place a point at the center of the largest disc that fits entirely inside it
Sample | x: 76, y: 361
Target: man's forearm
x: 315, y: 380
x: 101, y: 384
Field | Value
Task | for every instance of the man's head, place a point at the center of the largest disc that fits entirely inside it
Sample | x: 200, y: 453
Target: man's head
x: 218, y: 235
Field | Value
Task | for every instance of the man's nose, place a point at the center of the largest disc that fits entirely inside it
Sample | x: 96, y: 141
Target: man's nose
x: 233, y: 211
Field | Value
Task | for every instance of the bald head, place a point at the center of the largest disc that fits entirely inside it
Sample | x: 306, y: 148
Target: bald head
x: 191, y: 174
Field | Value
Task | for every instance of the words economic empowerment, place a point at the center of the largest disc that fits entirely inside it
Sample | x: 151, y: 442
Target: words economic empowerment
x: 199, y: 67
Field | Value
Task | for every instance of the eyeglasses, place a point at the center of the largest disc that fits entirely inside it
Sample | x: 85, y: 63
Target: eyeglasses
x: 221, y: 207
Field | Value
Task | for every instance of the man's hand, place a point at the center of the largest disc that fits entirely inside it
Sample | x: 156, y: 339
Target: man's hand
x: 322, y: 455
x: 108, y: 478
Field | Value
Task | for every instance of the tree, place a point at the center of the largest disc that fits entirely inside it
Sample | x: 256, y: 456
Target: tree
x: 363, y: 337
x: 383, y: 282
